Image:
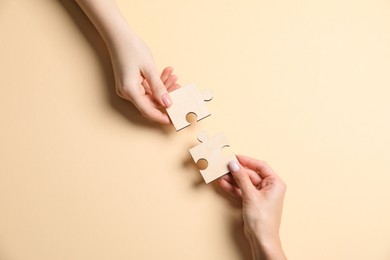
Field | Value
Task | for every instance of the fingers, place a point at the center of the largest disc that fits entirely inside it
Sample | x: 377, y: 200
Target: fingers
x: 269, y: 177
x: 241, y: 177
x: 147, y: 87
x: 166, y: 73
x: 253, y: 176
x: 145, y: 103
x: 158, y: 88
x: 173, y: 87
x: 229, y: 188
x: 172, y: 79
x: 148, y: 109
x: 261, y: 167
x: 229, y: 178
x: 167, y: 78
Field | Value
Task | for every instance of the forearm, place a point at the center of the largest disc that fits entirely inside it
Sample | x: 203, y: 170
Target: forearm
x: 136, y: 75
x: 266, y: 248
x: 108, y: 20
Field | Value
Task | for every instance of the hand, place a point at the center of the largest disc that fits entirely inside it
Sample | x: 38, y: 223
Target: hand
x: 262, y: 194
x: 137, y: 79
x: 136, y: 76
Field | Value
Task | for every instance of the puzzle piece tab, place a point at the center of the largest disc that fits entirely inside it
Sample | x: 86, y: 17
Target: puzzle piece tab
x: 210, y: 150
x: 185, y: 100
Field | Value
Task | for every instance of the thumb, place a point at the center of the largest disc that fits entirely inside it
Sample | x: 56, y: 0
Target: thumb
x: 242, y: 178
x: 158, y: 88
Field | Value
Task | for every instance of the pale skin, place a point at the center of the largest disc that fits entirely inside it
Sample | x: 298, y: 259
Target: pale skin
x: 136, y: 75
x: 261, y: 191
x: 137, y: 80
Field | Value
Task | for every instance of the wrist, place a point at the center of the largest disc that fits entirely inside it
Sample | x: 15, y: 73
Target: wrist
x: 119, y: 37
x: 266, y: 246
x: 120, y: 46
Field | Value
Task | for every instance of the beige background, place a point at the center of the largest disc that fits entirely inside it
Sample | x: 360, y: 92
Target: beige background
x: 303, y: 85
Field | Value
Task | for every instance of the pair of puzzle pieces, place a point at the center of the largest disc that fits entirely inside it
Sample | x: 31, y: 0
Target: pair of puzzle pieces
x: 188, y: 99
x: 210, y: 150
x: 185, y: 100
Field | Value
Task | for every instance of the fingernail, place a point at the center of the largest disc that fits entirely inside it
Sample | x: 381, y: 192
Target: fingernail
x: 234, y: 166
x: 166, y: 100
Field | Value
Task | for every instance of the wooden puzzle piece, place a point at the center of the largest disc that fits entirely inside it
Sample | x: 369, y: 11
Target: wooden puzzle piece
x: 185, y: 100
x: 210, y: 150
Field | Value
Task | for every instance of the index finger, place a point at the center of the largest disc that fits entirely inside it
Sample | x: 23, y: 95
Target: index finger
x: 261, y: 167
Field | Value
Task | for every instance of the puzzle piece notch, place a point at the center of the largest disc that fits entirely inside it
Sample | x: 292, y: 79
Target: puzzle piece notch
x: 207, y: 95
x: 210, y: 149
x: 186, y: 100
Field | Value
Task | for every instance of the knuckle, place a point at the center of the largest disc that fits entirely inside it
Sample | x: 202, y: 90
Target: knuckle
x: 282, y: 186
x: 119, y: 92
x: 241, y: 175
x: 145, y: 114
x: 263, y: 163
x: 126, y: 87
x: 158, y: 88
x: 123, y: 91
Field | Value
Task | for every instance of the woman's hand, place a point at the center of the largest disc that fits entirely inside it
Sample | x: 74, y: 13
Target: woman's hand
x: 138, y: 81
x: 262, y: 194
x: 136, y: 76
